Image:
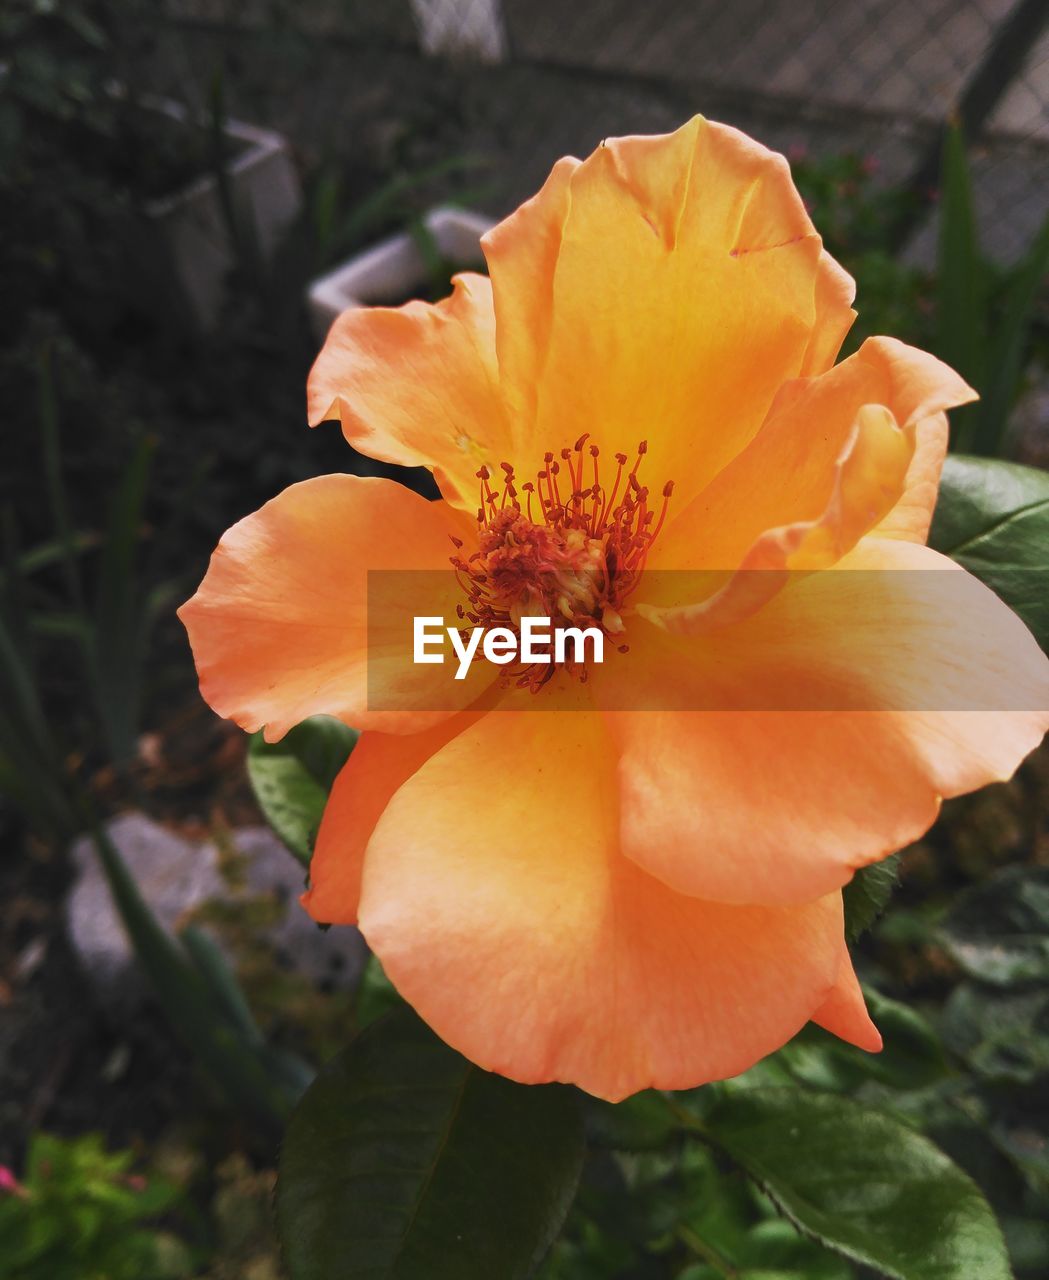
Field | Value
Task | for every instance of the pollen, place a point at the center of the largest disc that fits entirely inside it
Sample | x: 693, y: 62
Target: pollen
x: 562, y: 546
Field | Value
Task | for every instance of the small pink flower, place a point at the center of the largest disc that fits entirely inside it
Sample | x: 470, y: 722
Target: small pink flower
x: 10, y: 1184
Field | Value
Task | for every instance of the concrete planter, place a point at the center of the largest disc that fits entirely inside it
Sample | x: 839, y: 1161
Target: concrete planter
x: 266, y: 197
x: 394, y: 269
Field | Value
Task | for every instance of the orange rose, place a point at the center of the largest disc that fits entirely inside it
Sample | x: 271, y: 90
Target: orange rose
x: 626, y: 898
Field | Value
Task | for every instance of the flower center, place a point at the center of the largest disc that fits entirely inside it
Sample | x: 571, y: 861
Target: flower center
x: 572, y: 553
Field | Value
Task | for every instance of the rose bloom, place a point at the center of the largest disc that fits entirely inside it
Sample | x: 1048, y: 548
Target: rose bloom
x: 563, y: 887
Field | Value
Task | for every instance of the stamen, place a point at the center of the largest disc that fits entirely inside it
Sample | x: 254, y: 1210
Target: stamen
x: 554, y: 469
x: 579, y: 565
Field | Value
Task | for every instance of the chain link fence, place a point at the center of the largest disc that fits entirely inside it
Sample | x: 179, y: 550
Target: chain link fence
x: 521, y: 82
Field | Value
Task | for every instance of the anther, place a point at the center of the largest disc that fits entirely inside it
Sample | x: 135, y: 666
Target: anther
x: 583, y: 558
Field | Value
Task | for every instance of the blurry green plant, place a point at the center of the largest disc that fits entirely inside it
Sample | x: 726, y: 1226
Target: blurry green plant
x: 85, y: 146
x: 108, y: 628
x: 341, y: 222
x: 855, y: 214
x: 80, y: 1213
x: 202, y: 1000
x: 820, y: 1163
x: 823, y: 1162
x: 850, y: 209
x: 985, y: 315
x: 980, y: 318
x: 241, y: 1212
x: 48, y: 610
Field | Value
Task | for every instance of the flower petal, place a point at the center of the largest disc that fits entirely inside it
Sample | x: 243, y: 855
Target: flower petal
x: 418, y: 385
x: 507, y: 917
x: 867, y: 482
x: 675, y: 283
x: 522, y: 253
x: 809, y: 436
x: 844, y: 1012
x: 755, y: 805
x: 279, y: 626
x: 379, y: 765
x: 819, y: 734
x: 835, y: 293
x: 945, y: 645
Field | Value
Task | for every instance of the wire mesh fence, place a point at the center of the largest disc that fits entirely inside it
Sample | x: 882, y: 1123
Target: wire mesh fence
x: 520, y: 82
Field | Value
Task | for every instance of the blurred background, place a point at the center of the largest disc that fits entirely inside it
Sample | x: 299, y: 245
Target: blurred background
x: 189, y: 191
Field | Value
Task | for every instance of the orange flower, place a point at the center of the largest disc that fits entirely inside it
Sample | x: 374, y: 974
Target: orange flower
x: 626, y: 898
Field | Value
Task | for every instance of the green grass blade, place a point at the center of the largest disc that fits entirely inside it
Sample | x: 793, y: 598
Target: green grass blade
x: 26, y: 563
x: 190, y: 1004
x: 120, y: 622
x: 961, y: 286
x: 21, y: 698
x: 52, y: 447
x: 392, y: 202
x: 1010, y: 344
x: 14, y: 605
x: 211, y: 964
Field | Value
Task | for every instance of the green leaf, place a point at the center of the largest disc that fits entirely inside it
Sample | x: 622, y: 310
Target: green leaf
x: 961, y: 301
x: 292, y: 778
x: 1028, y: 1241
x: 999, y: 931
x: 993, y: 518
x: 867, y: 894
x: 862, y: 1183
x: 1025, y: 1141
x: 376, y: 994
x: 406, y: 1162
x: 644, y: 1122
x: 980, y: 495
x: 776, y: 1248
x: 1001, y: 1035
x: 912, y: 1056
x: 764, y: 1274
